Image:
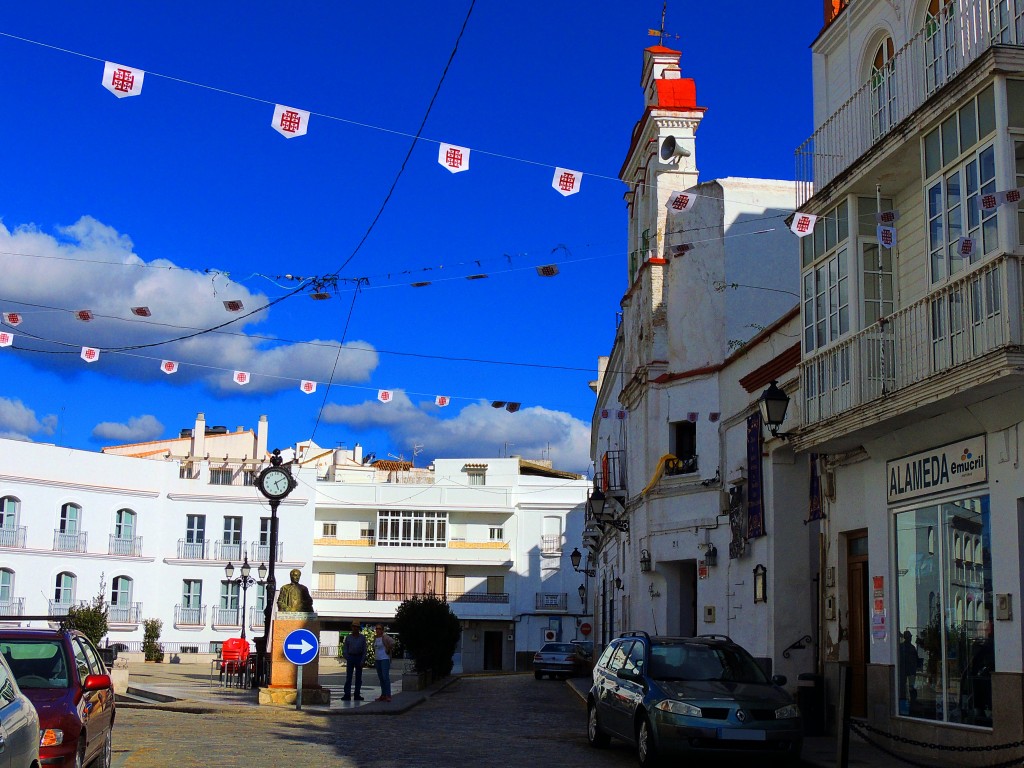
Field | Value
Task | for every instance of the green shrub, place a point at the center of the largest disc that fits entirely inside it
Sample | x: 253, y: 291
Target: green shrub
x: 90, y: 620
x: 429, y: 632
x: 152, y: 649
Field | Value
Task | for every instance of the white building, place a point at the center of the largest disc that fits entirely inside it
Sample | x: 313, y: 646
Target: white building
x: 156, y: 534
x: 708, y: 321
x: 490, y: 535
x: 912, y: 365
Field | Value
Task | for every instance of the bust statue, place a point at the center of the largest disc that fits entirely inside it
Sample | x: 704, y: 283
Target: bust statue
x: 294, y: 597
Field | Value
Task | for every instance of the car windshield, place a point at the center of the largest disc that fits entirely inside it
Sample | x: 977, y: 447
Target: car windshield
x: 558, y: 648
x: 36, y: 663
x: 698, y: 661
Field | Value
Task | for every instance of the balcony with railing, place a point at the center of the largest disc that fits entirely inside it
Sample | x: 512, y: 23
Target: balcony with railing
x: 14, y: 606
x: 185, y: 616
x: 612, y: 476
x: 130, y: 546
x: 256, y: 617
x: 944, y: 344
x: 13, y: 538
x: 551, y: 544
x: 225, y: 550
x: 940, y: 51
x: 554, y: 602
x: 61, y: 608
x: 261, y: 552
x: 685, y: 465
x: 227, y: 617
x: 70, y: 542
x: 193, y: 550
x: 129, y: 614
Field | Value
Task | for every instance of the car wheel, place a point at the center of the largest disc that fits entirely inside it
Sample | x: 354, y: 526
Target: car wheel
x: 595, y: 735
x: 646, y: 749
x: 108, y: 752
x: 538, y: 675
x: 80, y: 753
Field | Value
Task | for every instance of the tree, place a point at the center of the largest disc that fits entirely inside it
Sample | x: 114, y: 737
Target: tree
x: 150, y: 635
x: 90, y: 620
x: 429, y: 631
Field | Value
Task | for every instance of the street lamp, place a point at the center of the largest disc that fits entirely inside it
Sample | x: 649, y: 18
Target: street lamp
x: 244, y: 581
x: 575, y: 559
x: 583, y: 594
x: 773, y: 404
x: 597, y: 506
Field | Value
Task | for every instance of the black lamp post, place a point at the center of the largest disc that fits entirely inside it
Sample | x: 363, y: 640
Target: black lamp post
x: 773, y: 405
x: 583, y: 593
x: 575, y: 558
x: 244, y: 581
x: 597, y: 507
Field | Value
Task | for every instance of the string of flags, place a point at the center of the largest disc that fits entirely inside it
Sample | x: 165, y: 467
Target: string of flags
x: 242, y: 378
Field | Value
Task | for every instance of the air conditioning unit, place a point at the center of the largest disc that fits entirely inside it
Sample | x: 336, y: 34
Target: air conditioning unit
x: 550, y: 636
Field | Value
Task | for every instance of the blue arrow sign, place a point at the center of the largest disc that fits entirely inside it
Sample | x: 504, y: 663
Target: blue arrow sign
x: 301, y: 647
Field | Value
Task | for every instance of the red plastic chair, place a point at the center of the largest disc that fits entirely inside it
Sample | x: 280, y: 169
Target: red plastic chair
x: 233, y: 657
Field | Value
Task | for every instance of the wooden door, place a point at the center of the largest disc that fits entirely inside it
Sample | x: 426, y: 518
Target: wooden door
x: 857, y: 607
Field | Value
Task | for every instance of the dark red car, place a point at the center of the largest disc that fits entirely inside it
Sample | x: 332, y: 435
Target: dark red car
x: 62, y: 674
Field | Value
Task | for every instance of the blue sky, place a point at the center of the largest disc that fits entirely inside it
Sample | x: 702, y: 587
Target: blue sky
x: 184, y: 197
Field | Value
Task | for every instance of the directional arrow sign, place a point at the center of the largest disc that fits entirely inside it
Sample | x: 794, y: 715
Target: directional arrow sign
x: 301, y: 647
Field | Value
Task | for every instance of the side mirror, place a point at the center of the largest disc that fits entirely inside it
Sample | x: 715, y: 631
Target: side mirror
x: 779, y: 680
x: 96, y: 682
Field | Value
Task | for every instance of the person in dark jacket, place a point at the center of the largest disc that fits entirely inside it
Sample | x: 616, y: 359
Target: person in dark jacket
x: 354, y: 651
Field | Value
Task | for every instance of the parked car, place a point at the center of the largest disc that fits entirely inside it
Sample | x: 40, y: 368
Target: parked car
x: 555, y: 660
x: 584, y: 656
x: 690, y: 695
x: 61, y: 673
x: 19, y: 723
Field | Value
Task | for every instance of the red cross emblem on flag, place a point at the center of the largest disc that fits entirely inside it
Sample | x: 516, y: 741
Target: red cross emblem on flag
x: 309, y: 387
x: 604, y: 413
x: 84, y: 315
x: 989, y: 202
x: 803, y: 224
x: 885, y: 236
x: 241, y: 378
x: 681, y: 202
x: 233, y: 305
x: 620, y: 415
x: 168, y: 366
x: 90, y: 354
x: 141, y: 311
x: 441, y: 401
x: 384, y: 395
x: 1013, y: 196
x: 453, y: 158
x: 6, y: 339
x: 290, y: 122
x: 123, y: 80
x: 965, y: 247
x: 566, y: 182
x: 12, y: 318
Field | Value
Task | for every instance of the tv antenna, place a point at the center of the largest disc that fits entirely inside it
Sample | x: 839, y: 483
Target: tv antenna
x: 417, y: 449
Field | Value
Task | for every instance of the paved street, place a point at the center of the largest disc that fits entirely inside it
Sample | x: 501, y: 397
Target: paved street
x: 479, y: 721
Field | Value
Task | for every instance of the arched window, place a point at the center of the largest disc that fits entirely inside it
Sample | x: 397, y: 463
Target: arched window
x: 940, y: 55
x: 959, y: 610
x: 6, y: 590
x: 64, y: 590
x: 121, y: 600
x: 70, y: 518
x: 9, y: 509
x: 123, y: 540
x: 883, y: 89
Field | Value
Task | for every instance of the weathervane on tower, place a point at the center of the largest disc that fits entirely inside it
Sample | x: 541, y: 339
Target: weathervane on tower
x: 660, y: 33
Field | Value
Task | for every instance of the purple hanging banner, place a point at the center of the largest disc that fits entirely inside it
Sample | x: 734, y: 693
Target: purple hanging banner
x: 755, y: 496
x: 814, y: 508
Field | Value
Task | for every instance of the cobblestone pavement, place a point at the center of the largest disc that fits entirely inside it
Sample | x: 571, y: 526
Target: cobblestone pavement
x: 510, y: 720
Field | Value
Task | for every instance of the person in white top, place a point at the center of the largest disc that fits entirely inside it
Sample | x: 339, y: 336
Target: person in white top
x: 382, y: 646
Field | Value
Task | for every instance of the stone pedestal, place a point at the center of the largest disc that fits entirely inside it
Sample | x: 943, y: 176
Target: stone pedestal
x: 284, y: 674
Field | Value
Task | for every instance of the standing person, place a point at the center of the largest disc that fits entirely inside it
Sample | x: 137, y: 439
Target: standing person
x: 910, y: 660
x: 382, y: 646
x: 354, y: 651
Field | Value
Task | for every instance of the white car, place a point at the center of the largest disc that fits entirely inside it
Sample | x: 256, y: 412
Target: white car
x: 19, y: 724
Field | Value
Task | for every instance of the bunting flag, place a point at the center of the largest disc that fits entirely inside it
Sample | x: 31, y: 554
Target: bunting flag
x: 498, y: 404
x: 168, y: 366
x: 241, y: 378
x: 309, y: 387
x: 454, y: 158
x: 605, y: 413
x: 620, y: 415
x: 1010, y: 196
x: 512, y: 407
x: 990, y: 201
x: 290, y: 122
x: 6, y: 338
x: 548, y: 270
x: 122, y: 81
x: 803, y: 224
x: 714, y: 416
x: 384, y: 395
x: 12, y: 318
x: 692, y: 417
x: 441, y: 401
x: 566, y: 182
x: 887, y: 217
x: 965, y: 247
x: 84, y: 315
x: 141, y: 312
x: 233, y: 305
x: 681, y: 201
x: 90, y: 354
x: 886, y: 236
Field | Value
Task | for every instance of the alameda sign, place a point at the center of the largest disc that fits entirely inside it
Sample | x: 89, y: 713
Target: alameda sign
x: 940, y: 469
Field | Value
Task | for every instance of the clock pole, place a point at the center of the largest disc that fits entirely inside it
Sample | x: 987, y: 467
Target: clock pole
x: 262, y: 656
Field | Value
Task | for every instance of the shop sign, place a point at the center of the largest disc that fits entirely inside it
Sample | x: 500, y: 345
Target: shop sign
x: 937, y: 470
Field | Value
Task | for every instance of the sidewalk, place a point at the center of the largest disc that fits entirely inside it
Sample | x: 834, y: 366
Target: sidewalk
x: 188, y: 688
x: 817, y: 751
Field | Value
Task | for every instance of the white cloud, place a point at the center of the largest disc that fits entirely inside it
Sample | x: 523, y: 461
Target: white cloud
x: 17, y: 419
x: 477, y: 431
x: 73, y: 271
x: 137, y: 430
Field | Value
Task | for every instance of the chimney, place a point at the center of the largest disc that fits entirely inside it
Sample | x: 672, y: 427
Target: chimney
x: 199, y: 436
x: 357, y: 454
x: 261, y: 439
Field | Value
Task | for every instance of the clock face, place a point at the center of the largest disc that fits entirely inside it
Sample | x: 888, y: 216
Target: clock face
x: 275, y: 482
